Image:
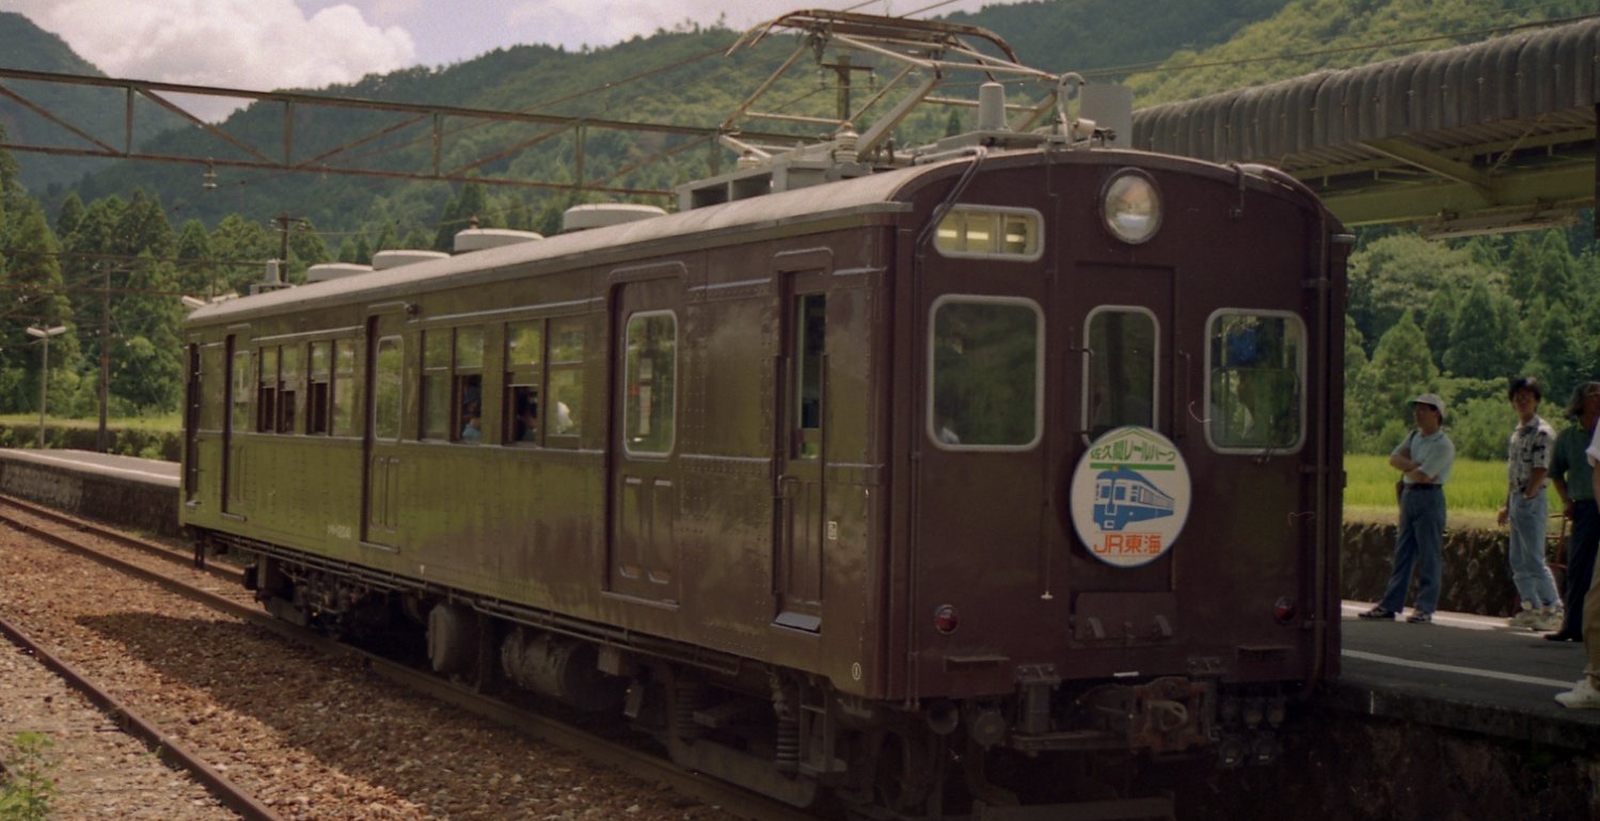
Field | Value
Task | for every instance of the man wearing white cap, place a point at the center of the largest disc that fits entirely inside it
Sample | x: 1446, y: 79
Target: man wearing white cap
x: 1424, y: 460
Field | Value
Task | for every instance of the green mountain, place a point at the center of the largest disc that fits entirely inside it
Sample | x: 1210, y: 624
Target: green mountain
x: 96, y: 112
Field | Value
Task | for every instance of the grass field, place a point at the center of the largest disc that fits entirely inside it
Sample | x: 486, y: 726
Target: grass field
x: 1473, y: 495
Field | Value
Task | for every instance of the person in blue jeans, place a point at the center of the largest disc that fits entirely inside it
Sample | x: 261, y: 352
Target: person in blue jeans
x: 1424, y: 460
x: 1527, y: 463
x: 1573, y: 480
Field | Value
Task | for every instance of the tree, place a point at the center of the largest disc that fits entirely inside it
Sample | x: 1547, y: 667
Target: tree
x: 1400, y: 271
x: 1560, y: 358
x: 147, y: 362
x: 1483, y: 341
x: 33, y: 279
x: 1401, y: 367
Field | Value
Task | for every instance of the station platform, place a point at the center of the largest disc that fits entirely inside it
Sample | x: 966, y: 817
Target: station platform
x: 1466, y: 673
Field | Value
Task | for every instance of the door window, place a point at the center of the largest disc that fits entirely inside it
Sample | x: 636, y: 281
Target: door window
x: 1255, y: 386
x: 649, y: 414
x: 1120, y: 377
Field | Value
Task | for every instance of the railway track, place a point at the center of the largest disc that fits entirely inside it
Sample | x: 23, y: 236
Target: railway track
x: 216, y: 589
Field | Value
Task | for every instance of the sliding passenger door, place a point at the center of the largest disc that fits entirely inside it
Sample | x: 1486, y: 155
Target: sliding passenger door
x: 800, y: 498
x: 380, y: 523
x: 643, y: 543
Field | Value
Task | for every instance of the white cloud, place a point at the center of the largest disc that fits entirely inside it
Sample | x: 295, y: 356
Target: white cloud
x: 247, y: 44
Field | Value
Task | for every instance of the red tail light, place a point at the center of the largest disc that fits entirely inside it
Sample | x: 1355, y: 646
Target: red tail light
x: 1283, y: 610
x: 945, y: 619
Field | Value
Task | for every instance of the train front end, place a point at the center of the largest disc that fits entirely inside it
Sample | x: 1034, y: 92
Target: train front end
x: 1123, y: 407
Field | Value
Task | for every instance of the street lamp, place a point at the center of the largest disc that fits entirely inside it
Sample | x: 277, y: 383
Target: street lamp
x: 44, y: 334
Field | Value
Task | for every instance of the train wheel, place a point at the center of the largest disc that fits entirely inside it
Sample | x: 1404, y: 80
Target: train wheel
x: 905, y: 775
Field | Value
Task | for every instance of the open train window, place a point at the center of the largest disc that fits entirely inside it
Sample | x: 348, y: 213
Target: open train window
x: 1255, y: 380
x: 563, y: 413
x: 267, y: 392
x: 319, y: 389
x: 524, y: 356
x: 289, y: 386
x: 651, y: 370
x: 467, y: 384
x: 1120, y: 377
x: 985, y: 359
x: 990, y: 233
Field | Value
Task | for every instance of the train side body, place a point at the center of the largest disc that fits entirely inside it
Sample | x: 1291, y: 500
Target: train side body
x: 809, y: 439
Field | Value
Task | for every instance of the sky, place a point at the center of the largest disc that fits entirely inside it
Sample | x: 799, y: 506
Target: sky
x: 261, y: 45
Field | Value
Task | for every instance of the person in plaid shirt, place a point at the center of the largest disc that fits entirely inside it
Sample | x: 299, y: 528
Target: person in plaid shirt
x: 1527, y: 461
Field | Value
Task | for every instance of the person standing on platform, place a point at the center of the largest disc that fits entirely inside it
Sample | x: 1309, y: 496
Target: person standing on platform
x: 1585, y: 695
x: 1527, y: 462
x: 1573, y: 479
x: 1424, y: 460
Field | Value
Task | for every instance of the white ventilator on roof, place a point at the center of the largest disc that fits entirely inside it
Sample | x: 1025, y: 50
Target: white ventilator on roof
x: 477, y: 239
x: 601, y: 214
x: 384, y: 260
x: 325, y: 271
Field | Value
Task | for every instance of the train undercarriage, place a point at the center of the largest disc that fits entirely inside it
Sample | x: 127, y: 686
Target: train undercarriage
x: 1052, y: 750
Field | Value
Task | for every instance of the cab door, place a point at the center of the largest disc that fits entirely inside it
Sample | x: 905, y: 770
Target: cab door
x: 643, y: 558
x: 385, y: 389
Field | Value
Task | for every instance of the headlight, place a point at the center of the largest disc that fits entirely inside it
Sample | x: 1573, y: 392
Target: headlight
x: 1131, y: 207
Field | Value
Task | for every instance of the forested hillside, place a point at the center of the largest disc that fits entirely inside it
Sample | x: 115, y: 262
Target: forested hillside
x: 1457, y: 317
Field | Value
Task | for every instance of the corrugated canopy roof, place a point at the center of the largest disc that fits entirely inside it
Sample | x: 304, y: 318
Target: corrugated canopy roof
x: 1487, y: 135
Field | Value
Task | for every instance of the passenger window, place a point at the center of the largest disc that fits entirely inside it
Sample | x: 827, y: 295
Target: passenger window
x: 649, y: 409
x: 984, y: 358
x: 468, y: 385
x: 1255, y: 390
x: 288, y: 387
x: 319, y: 391
x: 267, y: 395
x: 563, y: 414
x: 386, y: 386
x: 344, y: 387
x: 436, y: 389
x: 243, y: 382
x: 1120, y: 378
x: 524, y: 355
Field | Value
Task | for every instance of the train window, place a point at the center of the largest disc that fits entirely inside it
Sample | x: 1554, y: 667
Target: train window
x: 243, y: 386
x: 812, y: 329
x: 990, y: 233
x: 436, y: 390
x: 649, y: 410
x: 524, y: 353
x: 288, y: 386
x: 318, y: 391
x: 468, y: 384
x: 1120, y: 380
x: 343, y: 387
x: 985, y: 356
x: 267, y: 393
x: 1255, y: 386
x: 563, y: 414
x: 386, y: 387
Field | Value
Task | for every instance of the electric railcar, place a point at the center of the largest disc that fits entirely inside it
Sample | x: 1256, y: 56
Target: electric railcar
x: 801, y: 478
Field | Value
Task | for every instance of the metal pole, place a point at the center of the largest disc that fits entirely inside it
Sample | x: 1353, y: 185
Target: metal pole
x: 44, y: 389
x: 105, y: 360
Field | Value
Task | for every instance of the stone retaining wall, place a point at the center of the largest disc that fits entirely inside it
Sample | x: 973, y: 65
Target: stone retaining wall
x: 1477, y: 578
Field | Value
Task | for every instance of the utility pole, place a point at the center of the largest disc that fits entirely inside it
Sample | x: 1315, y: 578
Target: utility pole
x: 101, y: 444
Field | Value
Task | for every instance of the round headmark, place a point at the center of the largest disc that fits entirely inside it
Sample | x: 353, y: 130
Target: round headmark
x: 1130, y: 496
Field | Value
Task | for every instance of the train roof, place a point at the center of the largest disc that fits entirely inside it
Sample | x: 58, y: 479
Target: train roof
x: 846, y: 201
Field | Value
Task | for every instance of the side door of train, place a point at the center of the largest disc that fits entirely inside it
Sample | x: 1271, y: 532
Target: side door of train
x: 382, y: 466
x: 643, y: 558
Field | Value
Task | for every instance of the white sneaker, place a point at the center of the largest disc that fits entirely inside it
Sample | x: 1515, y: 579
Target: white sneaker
x: 1549, y: 619
x: 1525, y: 617
x: 1583, y: 696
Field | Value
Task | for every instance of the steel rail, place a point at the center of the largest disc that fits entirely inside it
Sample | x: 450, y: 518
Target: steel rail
x: 166, y: 747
